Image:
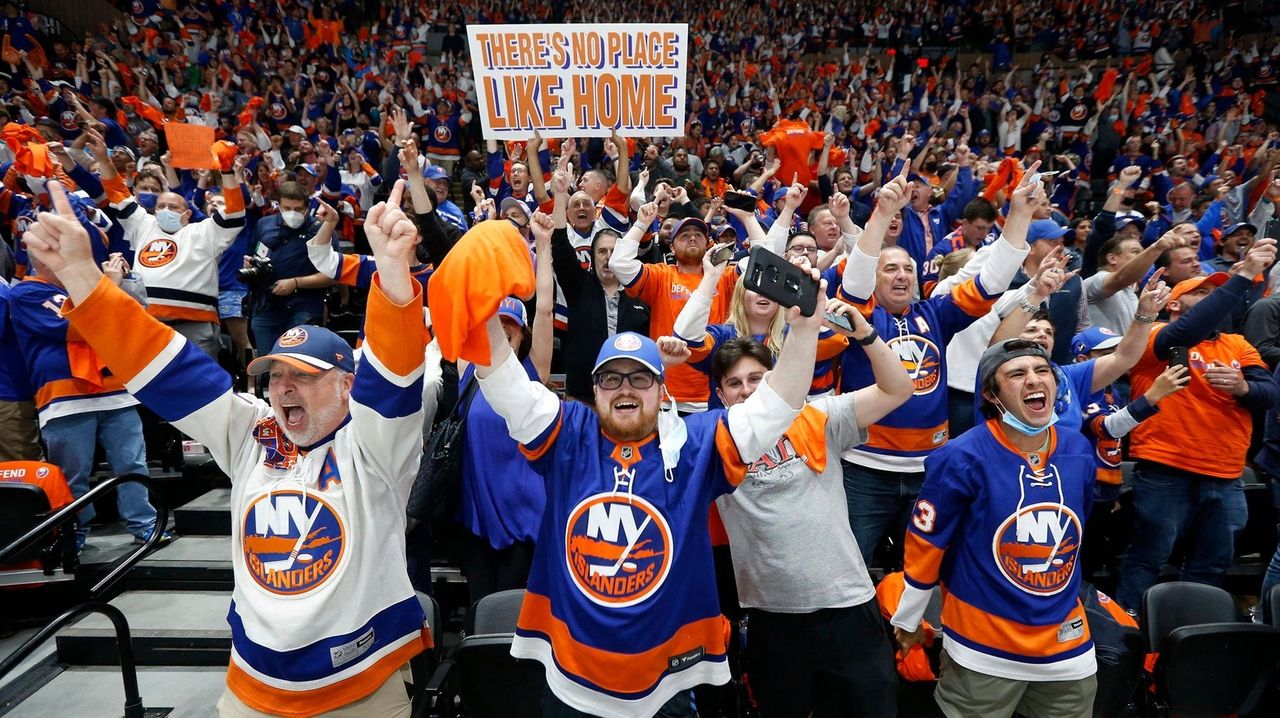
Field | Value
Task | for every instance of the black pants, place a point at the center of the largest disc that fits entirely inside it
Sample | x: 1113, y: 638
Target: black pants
x: 680, y: 706
x: 959, y: 411
x: 832, y: 662
x: 490, y: 570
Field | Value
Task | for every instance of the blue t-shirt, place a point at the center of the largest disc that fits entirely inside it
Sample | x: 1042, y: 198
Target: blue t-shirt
x: 502, y: 496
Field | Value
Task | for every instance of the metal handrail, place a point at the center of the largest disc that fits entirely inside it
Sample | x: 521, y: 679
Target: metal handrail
x: 128, y: 667
x: 68, y: 513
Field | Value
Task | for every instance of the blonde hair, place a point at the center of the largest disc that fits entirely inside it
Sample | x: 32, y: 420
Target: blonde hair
x: 738, y: 320
x: 954, y: 262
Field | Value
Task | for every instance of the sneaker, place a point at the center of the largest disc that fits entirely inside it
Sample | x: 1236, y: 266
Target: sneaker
x: 81, y: 539
x: 166, y: 538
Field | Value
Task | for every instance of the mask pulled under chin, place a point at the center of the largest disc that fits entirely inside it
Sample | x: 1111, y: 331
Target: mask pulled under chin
x: 1023, y: 427
x: 672, y: 434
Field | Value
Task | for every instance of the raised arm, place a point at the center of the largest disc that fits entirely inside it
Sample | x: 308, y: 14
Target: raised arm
x: 625, y: 262
x: 541, y: 226
x: 1134, y: 343
x: 892, y: 386
x: 691, y: 323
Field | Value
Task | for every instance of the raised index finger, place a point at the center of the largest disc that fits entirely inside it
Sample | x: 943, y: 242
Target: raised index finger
x: 61, y: 205
x: 397, y: 194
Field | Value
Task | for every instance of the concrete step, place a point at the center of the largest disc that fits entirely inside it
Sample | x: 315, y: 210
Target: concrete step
x: 208, y: 515
x: 168, y: 628
x: 190, y: 562
x: 97, y: 692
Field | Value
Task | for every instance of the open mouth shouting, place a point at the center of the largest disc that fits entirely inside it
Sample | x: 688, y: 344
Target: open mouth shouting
x: 295, y: 417
x: 1036, y: 402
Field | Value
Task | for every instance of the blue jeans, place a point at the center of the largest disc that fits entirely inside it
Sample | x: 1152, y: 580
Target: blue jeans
x: 268, y: 325
x: 879, y: 502
x: 72, y: 441
x: 1208, y: 513
x: 1272, y: 576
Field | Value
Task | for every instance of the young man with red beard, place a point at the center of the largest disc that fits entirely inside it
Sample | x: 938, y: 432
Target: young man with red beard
x: 621, y: 607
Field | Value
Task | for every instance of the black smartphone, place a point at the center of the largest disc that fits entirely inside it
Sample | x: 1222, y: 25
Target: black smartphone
x: 839, y: 320
x: 1178, y: 357
x: 724, y: 254
x: 740, y: 200
x: 774, y: 277
x: 1273, y: 229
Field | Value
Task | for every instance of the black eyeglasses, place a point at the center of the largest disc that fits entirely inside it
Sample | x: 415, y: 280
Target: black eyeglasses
x: 610, y: 380
x: 800, y: 248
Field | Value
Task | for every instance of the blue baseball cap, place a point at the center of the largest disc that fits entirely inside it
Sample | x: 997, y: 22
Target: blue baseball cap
x: 629, y: 345
x: 777, y: 194
x: 309, y: 348
x: 1122, y: 222
x: 1238, y: 226
x: 1045, y: 229
x: 1094, y: 339
x: 514, y: 309
x: 694, y: 222
x: 308, y: 168
x: 433, y: 172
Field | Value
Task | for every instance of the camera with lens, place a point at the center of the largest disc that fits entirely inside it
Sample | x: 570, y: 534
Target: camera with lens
x: 260, y: 273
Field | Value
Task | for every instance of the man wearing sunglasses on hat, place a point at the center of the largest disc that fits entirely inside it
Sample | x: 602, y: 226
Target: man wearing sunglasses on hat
x: 621, y: 608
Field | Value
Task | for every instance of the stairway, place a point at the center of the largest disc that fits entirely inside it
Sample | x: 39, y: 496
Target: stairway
x: 176, y: 602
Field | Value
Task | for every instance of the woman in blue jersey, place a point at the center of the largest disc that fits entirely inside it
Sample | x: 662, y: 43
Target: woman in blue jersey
x: 750, y: 314
x: 502, y: 499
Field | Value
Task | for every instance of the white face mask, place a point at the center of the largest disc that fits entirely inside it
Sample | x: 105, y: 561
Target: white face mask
x: 293, y: 220
x: 169, y: 220
x: 672, y: 435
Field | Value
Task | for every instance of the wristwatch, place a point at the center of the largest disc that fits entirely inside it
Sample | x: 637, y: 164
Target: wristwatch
x: 869, y: 339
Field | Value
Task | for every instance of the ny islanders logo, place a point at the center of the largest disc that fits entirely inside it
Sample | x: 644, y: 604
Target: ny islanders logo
x: 922, y: 360
x: 1037, y: 546
x: 442, y: 134
x: 618, y: 549
x: 292, y: 543
x: 157, y: 253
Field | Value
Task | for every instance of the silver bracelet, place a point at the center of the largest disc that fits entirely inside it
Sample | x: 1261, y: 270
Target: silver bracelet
x: 1027, y: 307
x: 1145, y: 318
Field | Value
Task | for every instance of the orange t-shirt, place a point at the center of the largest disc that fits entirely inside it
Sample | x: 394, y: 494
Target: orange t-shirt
x: 793, y: 141
x: 666, y: 290
x: 1199, y: 415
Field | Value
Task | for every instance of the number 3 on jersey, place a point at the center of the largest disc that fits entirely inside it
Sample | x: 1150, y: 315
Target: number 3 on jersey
x: 924, y: 516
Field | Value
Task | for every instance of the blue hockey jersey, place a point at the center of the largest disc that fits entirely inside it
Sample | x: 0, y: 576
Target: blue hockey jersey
x: 1001, y: 531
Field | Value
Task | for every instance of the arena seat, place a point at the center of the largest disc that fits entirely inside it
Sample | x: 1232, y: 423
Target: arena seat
x: 25, y: 501
x: 1207, y: 664
x: 488, y: 681
x: 1271, y: 607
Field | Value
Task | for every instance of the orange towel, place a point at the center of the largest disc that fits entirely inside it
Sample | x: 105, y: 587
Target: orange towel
x: 490, y: 262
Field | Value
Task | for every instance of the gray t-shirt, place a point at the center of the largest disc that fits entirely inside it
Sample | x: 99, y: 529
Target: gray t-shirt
x: 1114, y: 312
x: 793, y: 550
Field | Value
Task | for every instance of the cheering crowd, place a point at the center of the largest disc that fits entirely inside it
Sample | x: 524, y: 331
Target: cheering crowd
x: 1025, y: 276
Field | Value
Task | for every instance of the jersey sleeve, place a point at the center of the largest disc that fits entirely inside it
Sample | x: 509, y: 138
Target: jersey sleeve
x: 168, y: 374
x: 944, y: 500
x: 386, y: 396
x: 651, y: 285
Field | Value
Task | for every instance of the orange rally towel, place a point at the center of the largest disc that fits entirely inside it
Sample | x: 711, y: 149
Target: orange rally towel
x: 914, y: 666
x: 490, y: 262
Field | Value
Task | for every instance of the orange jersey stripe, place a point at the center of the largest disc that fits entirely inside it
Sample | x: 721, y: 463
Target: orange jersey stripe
x: 391, y: 330
x: 904, y: 439
x: 181, y: 314
x: 619, y: 672
x: 970, y: 299
x: 300, y: 704
x: 112, y: 321
x: 72, y: 388
x: 921, y: 559
x: 986, y: 629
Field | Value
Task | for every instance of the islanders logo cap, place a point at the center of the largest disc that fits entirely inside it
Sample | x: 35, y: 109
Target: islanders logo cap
x: 309, y: 348
x: 629, y: 345
x: 513, y: 309
x: 1094, y: 339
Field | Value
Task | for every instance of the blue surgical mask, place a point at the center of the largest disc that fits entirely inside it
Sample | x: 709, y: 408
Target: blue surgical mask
x: 169, y: 220
x: 1023, y: 427
x: 147, y: 200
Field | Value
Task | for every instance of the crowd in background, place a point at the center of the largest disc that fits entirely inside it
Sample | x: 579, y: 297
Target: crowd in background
x: 1154, y: 128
